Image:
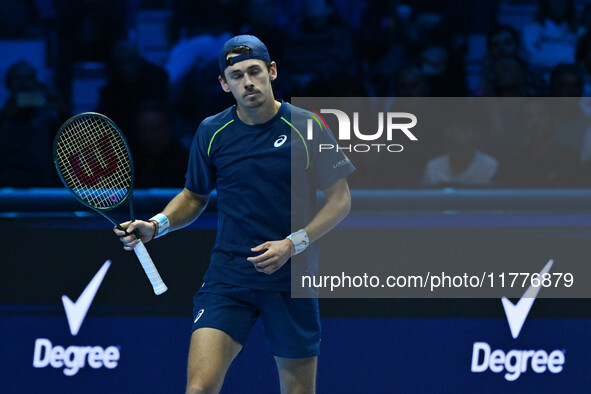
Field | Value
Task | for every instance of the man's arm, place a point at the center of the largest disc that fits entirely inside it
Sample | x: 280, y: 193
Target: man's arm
x: 338, y: 205
x: 181, y: 211
x: 184, y: 208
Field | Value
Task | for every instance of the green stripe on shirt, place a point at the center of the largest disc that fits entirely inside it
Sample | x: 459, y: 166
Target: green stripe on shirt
x: 303, y: 140
x: 214, y: 134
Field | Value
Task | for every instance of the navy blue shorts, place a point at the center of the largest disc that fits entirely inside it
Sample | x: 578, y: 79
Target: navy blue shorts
x: 292, y: 325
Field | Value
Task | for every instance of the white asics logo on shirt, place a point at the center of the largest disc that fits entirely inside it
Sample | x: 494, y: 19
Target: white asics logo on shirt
x: 280, y: 141
x: 198, y: 315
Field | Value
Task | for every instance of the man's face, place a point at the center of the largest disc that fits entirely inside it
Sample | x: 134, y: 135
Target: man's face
x: 23, y: 78
x: 502, y: 44
x: 537, y: 120
x: 462, y: 136
x: 249, y: 82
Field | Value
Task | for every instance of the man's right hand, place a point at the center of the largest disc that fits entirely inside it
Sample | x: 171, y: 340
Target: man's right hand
x: 145, y: 230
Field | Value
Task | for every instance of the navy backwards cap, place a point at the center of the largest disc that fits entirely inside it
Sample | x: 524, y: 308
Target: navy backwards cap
x: 258, y: 50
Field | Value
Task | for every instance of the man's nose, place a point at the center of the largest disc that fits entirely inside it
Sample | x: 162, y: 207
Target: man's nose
x: 247, y: 81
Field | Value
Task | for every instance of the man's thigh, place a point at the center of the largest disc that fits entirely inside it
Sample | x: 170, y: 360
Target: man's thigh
x: 225, y: 307
x: 223, y: 318
x: 210, y: 354
x: 292, y: 325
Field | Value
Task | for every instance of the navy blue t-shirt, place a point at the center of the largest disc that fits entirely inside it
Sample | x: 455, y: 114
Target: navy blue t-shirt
x: 252, y: 168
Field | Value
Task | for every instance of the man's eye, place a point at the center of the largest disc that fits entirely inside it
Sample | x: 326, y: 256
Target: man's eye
x: 236, y: 76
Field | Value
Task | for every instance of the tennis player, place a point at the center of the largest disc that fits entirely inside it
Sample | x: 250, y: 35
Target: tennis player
x: 252, y: 153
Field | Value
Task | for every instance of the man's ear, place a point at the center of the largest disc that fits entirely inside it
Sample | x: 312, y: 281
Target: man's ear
x: 224, y: 85
x: 273, y: 71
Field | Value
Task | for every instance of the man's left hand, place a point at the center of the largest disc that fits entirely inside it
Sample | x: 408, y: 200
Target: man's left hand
x: 275, y: 254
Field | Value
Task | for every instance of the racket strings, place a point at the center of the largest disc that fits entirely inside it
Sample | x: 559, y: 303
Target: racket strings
x: 94, y: 161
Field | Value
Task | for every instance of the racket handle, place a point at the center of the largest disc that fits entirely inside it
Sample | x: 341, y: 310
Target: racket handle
x: 150, y: 268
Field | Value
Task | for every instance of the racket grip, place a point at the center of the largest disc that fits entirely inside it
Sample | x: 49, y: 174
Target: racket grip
x: 150, y: 268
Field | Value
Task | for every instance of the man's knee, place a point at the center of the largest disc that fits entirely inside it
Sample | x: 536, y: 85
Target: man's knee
x: 201, y: 385
x: 298, y: 384
x: 297, y: 375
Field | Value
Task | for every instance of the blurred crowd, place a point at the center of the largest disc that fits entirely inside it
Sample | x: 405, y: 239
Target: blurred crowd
x: 323, y: 48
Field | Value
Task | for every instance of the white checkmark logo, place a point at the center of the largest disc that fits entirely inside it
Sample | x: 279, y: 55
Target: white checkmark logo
x: 76, y: 312
x: 517, y: 313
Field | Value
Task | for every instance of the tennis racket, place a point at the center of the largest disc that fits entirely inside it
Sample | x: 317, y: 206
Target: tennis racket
x: 93, y: 161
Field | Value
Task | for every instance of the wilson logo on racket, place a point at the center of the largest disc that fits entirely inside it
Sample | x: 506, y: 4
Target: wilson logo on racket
x: 89, y: 155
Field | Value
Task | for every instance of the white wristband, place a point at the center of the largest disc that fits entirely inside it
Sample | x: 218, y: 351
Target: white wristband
x: 300, y: 240
x: 163, y: 224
